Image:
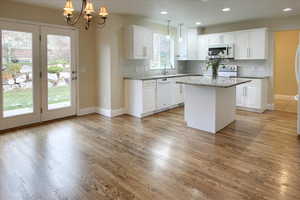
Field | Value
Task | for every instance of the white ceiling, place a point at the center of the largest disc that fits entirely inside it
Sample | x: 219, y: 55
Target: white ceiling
x: 189, y: 11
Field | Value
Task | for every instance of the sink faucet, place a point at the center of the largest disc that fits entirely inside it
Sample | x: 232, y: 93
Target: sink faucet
x: 165, y: 71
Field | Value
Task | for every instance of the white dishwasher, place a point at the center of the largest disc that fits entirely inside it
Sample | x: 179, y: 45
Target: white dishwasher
x: 164, y: 95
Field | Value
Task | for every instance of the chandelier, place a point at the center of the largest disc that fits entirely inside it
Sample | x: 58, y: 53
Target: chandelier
x: 87, y: 13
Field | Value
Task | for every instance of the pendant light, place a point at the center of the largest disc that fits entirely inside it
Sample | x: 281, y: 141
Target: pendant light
x: 180, y: 39
x: 169, y: 35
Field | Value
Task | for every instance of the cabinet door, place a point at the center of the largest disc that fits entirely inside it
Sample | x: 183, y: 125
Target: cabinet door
x: 202, y: 47
x: 214, y: 39
x: 227, y: 38
x: 257, y: 44
x: 177, y: 92
x: 138, y: 42
x: 242, y: 47
x: 149, y: 97
x: 192, y: 44
x: 142, y: 42
x: 252, y: 97
x: 182, y: 45
x: 240, y: 95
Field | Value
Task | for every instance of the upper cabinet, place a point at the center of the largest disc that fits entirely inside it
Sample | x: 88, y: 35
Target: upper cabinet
x: 192, y: 44
x: 203, y: 47
x: 138, y: 42
x: 181, y: 50
x: 251, y: 44
x: 187, y: 45
x: 248, y: 45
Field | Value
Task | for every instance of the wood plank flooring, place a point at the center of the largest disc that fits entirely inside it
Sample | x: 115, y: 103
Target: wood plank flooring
x: 156, y: 158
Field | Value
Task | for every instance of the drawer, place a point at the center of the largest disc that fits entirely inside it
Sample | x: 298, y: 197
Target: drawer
x: 149, y: 83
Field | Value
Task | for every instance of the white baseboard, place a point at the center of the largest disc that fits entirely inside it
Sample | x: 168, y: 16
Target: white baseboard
x: 284, y: 97
x: 86, y: 111
x: 110, y: 113
x: 270, y: 107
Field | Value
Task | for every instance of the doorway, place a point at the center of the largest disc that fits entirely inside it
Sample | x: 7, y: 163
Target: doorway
x: 38, y: 75
x: 285, y: 83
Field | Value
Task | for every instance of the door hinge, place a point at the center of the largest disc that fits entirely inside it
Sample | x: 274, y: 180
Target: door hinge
x: 41, y: 110
x: 40, y: 37
x: 41, y: 74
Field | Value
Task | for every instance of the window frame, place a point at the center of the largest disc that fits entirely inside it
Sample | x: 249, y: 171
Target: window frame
x: 171, y: 64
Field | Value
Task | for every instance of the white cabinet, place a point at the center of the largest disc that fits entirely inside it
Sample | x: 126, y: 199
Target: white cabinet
x: 220, y: 38
x: 241, y: 45
x: 248, y: 45
x: 202, y: 47
x: 149, y: 96
x: 187, y: 47
x: 252, y: 95
x: 144, y: 98
x: 251, y: 44
x: 192, y: 44
x: 177, y: 91
x: 140, y: 97
x: 138, y: 42
x: 164, y: 94
x: 181, y: 53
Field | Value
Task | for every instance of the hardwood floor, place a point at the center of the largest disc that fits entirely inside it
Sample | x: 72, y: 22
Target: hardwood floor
x: 286, y: 105
x: 93, y: 157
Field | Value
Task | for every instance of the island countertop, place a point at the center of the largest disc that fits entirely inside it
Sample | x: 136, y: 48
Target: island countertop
x: 154, y: 77
x: 208, y: 81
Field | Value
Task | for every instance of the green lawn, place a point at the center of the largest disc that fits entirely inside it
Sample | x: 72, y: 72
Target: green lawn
x: 22, y: 98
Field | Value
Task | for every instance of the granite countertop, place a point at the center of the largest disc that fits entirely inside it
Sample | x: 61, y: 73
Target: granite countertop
x: 207, y: 81
x: 154, y: 77
x: 251, y: 77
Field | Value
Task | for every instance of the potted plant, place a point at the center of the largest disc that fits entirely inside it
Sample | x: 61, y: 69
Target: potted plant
x: 214, y: 62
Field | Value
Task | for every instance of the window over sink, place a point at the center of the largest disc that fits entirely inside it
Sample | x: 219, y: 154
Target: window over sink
x: 163, y: 52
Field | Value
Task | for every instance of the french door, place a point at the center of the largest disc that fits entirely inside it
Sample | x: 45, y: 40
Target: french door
x: 37, y: 74
x: 58, y: 73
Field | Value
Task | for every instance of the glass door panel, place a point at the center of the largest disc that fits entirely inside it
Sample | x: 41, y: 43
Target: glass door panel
x: 19, y: 74
x: 17, y: 70
x: 59, y: 71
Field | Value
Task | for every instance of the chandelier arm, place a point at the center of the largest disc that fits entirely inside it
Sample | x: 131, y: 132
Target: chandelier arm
x: 75, y: 21
x: 103, y: 22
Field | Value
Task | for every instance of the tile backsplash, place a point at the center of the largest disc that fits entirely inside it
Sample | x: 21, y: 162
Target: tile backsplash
x: 246, y: 67
x: 141, y: 68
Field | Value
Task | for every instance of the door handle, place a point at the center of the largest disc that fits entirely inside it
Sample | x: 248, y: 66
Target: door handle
x: 74, y: 75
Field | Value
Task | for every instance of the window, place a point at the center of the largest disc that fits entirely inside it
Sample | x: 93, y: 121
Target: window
x: 163, y: 52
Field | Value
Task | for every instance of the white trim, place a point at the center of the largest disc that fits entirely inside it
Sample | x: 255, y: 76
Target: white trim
x: 284, y: 97
x: 27, y: 22
x: 86, y: 111
x: 110, y: 113
x: 270, y: 107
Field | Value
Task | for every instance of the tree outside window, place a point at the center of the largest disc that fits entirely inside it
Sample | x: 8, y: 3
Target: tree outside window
x: 163, y: 52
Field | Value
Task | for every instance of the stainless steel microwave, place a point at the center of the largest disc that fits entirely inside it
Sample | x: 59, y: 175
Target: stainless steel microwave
x: 221, y: 50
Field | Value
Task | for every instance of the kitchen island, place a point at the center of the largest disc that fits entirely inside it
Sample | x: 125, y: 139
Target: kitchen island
x: 210, y: 103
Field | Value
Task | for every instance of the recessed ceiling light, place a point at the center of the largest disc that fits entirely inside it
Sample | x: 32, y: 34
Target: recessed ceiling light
x: 226, y: 9
x: 198, y: 23
x: 287, y: 9
x: 164, y: 12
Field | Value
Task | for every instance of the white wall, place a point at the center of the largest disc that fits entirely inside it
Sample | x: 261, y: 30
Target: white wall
x: 112, y: 64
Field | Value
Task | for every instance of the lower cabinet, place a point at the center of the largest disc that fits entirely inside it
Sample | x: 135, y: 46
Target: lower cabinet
x: 144, y: 98
x: 177, y: 91
x: 252, y: 96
